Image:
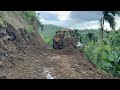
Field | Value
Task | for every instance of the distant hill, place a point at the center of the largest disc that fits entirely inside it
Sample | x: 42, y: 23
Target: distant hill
x: 48, y: 32
x: 50, y: 29
x: 96, y: 32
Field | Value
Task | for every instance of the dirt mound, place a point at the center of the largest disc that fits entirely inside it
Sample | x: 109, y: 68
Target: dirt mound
x: 49, y: 65
x: 18, y: 42
x: 68, y: 41
x: 67, y: 51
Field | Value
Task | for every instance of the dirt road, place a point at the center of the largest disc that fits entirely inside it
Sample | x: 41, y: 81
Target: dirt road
x: 50, y: 65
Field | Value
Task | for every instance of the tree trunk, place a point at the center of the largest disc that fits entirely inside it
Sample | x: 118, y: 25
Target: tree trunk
x: 102, y: 27
x: 102, y: 32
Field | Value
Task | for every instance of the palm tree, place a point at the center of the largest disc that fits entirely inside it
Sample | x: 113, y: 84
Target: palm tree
x: 108, y: 16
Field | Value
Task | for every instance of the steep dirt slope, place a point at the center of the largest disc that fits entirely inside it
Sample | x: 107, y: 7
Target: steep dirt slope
x: 15, y: 40
x: 14, y: 37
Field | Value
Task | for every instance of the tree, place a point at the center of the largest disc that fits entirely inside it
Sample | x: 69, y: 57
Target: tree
x: 42, y: 26
x: 108, y: 16
x: 90, y: 36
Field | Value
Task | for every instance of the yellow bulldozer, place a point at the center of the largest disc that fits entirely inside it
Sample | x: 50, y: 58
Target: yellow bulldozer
x: 64, y: 38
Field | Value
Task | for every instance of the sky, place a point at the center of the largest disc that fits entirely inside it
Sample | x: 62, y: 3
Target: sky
x: 75, y: 19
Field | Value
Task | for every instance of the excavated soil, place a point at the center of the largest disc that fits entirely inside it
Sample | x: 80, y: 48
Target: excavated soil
x: 25, y: 55
x: 48, y: 65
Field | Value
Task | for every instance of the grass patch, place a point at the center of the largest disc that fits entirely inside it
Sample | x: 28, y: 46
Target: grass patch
x: 30, y: 28
x: 2, y: 22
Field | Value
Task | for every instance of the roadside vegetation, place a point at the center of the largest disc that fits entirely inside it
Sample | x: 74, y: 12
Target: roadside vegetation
x: 32, y: 18
x: 101, y: 47
x: 104, y: 52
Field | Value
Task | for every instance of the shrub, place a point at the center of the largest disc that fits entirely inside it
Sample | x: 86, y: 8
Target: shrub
x: 116, y: 40
x: 2, y: 22
x: 104, y: 55
x: 30, y: 28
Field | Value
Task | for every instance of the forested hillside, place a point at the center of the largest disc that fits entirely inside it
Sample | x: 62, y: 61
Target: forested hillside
x: 48, y: 32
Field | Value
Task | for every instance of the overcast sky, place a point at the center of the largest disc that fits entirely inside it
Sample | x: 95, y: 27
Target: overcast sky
x: 74, y: 19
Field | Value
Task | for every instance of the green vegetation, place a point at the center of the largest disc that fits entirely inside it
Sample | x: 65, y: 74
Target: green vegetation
x: 32, y: 19
x: 30, y: 28
x: 2, y: 22
x: 47, y: 39
x: 28, y: 15
x: 105, y: 52
x: 105, y: 55
x: 48, y: 32
x: 84, y: 35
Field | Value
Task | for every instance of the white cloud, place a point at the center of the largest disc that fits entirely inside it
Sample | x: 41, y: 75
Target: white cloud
x: 87, y: 25
x: 58, y: 23
x: 61, y: 15
x: 92, y: 24
x: 65, y: 20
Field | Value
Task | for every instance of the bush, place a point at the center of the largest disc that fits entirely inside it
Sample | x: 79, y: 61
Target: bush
x: 2, y: 22
x: 88, y: 50
x: 116, y: 40
x: 31, y: 18
x: 28, y: 15
x: 105, y: 55
x: 30, y: 28
x: 47, y: 39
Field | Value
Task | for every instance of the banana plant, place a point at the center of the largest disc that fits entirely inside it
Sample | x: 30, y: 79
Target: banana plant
x: 113, y: 58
